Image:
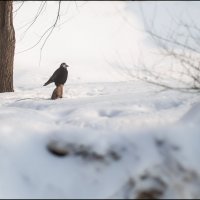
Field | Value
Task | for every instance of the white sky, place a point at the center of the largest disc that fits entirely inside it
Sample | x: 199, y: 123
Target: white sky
x: 93, y: 33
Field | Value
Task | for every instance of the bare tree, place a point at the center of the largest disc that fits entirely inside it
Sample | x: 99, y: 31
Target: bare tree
x: 182, y: 48
x: 179, y: 48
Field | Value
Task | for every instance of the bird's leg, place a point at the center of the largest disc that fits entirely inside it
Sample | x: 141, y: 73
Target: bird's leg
x: 54, y: 94
x: 61, y: 95
x: 58, y: 92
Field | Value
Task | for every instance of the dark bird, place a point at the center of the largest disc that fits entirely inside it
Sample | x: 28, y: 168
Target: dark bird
x: 59, y: 77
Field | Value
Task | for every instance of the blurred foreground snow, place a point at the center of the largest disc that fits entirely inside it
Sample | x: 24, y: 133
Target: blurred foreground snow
x: 122, y: 140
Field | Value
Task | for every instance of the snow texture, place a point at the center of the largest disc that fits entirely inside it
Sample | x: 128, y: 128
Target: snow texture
x: 120, y: 141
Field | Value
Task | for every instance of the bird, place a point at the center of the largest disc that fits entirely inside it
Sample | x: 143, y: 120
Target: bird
x: 59, y: 77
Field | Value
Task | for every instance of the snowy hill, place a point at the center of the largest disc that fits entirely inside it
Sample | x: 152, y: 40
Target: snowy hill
x: 119, y: 140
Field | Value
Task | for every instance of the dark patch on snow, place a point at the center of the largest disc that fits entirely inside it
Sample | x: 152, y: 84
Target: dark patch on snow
x: 110, y: 114
x: 154, y: 189
x: 159, y: 142
x: 150, y: 194
x: 83, y: 151
x: 57, y: 150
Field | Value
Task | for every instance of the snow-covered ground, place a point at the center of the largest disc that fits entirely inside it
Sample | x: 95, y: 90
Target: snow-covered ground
x: 122, y: 140
x: 119, y: 138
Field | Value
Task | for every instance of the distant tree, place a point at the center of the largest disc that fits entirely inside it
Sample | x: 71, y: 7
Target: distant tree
x: 179, y: 48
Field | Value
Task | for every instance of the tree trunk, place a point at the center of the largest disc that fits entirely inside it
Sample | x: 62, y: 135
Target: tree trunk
x: 7, y: 46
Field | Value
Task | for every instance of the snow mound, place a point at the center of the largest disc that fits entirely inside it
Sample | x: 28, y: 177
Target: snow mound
x: 102, y: 140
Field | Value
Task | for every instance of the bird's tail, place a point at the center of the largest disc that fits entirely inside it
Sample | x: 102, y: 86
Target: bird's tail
x: 48, y: 82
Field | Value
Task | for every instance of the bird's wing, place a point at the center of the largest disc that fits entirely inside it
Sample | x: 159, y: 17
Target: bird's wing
x: 53, y: 77
x: 55, y: 74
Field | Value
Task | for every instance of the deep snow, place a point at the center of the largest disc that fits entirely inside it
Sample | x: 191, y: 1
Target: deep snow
x: 115, y: 133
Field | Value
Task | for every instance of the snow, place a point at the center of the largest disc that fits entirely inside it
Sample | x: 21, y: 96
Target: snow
x: 122, y: 138
x: 112, y: 132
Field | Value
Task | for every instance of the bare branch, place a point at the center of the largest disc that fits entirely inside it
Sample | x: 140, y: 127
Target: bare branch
x: 40, y: 9
x: 51, y: 30
x: 27, y: 23
x: 15, y: 11
x: 180, y: 46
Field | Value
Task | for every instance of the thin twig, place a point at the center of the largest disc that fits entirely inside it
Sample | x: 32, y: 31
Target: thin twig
x: 52, y: 28
x: 16, y: 11
x: 41, y: 7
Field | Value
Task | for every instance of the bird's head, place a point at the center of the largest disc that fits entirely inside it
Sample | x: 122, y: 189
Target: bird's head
x: 64, y: 65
